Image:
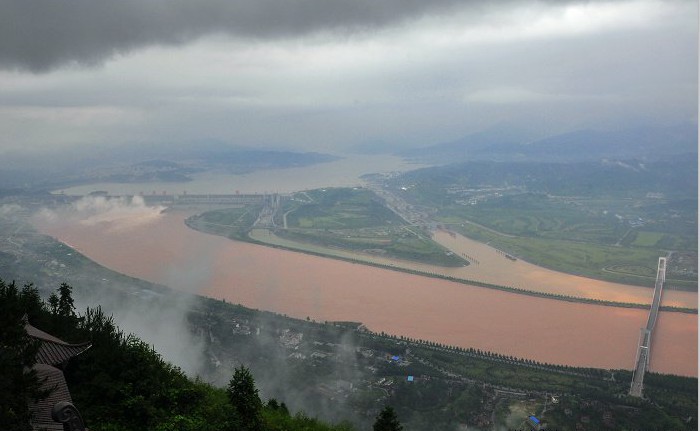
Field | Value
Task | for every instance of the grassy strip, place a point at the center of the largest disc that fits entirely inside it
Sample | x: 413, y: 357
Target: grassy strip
x: 579, y: 258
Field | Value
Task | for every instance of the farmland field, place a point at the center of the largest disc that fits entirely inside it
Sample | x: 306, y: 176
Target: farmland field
x: 587, y: 228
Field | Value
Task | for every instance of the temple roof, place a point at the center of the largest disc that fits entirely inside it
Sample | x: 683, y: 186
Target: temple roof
x: 54, y: 351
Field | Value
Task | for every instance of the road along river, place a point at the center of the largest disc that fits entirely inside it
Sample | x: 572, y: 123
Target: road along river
x: 158, y: 247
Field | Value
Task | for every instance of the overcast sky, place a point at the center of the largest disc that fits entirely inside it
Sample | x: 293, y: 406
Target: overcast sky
x: 324, y: 75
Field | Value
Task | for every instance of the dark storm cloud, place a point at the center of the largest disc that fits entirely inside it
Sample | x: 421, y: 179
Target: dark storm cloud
x: 42, y: 34
x: 39, y: 35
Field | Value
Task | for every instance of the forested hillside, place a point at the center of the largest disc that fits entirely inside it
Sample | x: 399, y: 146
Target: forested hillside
x: 122, y: 383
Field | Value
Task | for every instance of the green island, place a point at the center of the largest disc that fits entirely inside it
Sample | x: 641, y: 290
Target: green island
x: 230, y: 222
x: 323, y: 220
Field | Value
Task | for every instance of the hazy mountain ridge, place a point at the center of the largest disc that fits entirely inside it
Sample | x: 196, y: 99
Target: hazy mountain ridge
x: 506, y: 144
x: 673, y: 177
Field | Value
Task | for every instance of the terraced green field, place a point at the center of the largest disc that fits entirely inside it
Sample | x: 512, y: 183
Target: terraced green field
x: 338, y: 208
x: 355, y: 220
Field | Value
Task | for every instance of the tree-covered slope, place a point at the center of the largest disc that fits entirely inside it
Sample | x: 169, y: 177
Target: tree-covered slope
x: 122, y: 383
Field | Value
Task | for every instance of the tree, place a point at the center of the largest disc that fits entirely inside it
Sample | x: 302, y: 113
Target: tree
x: 53, y: 303
x: 387, y: 421
x: 31, y: 302
x: 274, y: 405
x: 20, y: 384
x: 245, y: 400
x: 66, y: 307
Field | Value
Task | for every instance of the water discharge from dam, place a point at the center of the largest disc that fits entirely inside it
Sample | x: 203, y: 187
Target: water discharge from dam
x: 301, y: 285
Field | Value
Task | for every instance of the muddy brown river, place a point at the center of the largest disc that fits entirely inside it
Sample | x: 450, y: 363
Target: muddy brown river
x: 161, y: 249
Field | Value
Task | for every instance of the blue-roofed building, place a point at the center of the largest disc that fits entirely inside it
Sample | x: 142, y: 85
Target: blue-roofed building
x: 409, y: 378
x: 534, y: 422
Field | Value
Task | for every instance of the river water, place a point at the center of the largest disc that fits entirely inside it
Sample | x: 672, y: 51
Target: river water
x: 158, y: 247
x: 340, y: 173
x: 148, y: 243
x: 493, y: 267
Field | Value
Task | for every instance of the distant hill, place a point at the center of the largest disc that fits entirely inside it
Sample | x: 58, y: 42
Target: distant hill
x: 476, y: 146
x: 644, y: 143
x: 139, y: 163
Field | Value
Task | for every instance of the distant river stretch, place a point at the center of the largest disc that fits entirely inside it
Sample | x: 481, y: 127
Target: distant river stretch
x: 340, y: 173
x: 158, y: 247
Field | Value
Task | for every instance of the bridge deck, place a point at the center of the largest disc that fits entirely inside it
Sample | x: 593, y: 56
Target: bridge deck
x: 644, y: 350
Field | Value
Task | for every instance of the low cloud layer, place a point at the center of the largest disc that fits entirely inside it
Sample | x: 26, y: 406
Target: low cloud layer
x: 114, y: 215
x: 318, y: 75
x: 39, y: 35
